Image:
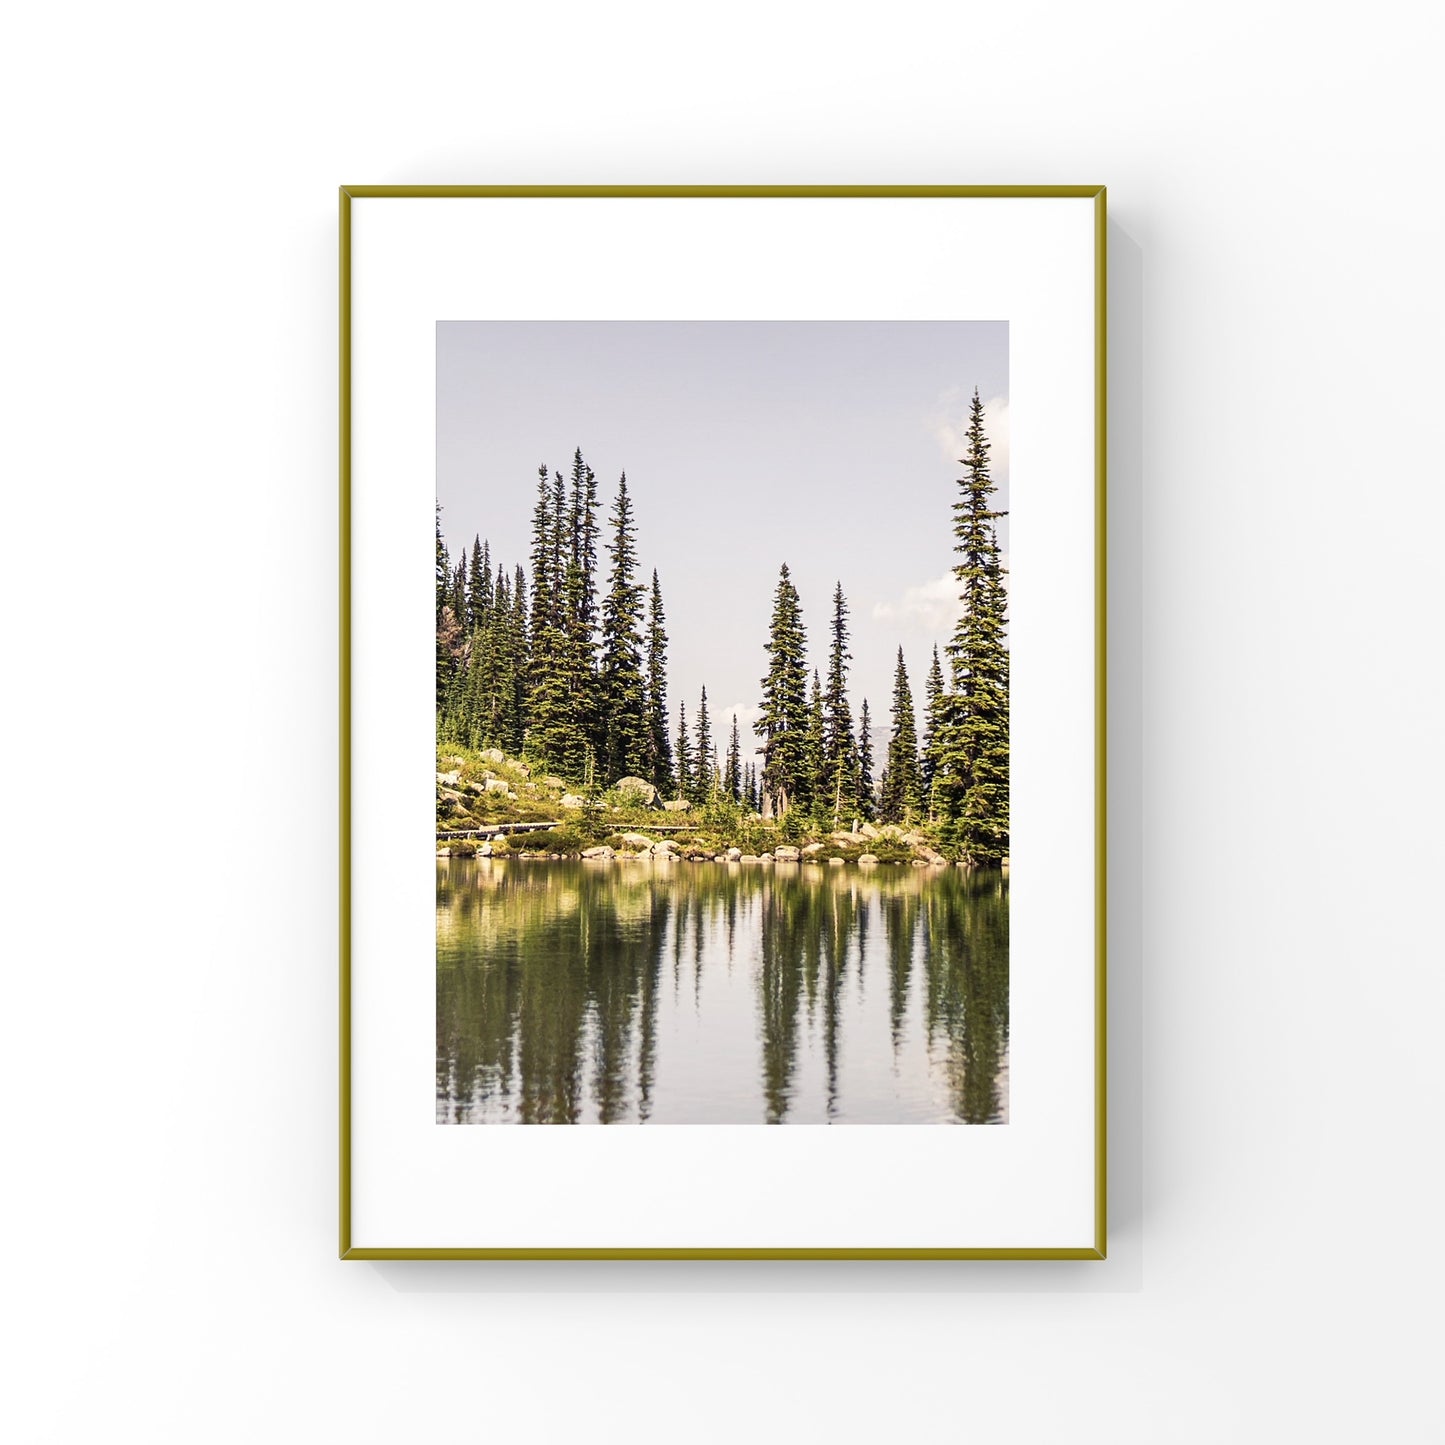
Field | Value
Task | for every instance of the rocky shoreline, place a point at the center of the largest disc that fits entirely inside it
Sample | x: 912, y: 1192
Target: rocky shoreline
x: 510, y: 812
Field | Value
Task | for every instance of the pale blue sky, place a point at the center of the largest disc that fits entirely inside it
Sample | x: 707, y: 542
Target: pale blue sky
x: 829, y: 445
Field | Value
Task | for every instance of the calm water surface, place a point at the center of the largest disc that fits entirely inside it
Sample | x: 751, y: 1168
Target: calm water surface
x: 706, y: 993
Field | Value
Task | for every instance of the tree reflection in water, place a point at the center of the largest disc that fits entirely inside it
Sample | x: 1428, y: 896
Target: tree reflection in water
x: 572, y: 992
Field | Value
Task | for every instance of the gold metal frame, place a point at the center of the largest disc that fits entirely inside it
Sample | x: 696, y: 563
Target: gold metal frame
x: 1097, y: 194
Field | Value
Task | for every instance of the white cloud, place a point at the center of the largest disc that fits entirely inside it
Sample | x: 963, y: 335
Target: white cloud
x: 931, y: 607
x: 949, y: 424
x: 747, y: 714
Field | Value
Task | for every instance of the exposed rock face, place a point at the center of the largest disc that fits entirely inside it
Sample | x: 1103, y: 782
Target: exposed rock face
x: 786, y: 853
x: 636, y: 790
x: 677, y: 805
x: 571, y: 800
x: 449, y: 780
x: 868, y: 858
x: 602, y: 851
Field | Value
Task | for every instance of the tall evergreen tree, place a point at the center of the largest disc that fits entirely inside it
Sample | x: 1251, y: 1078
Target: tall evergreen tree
x: 933, y: 709
x: 443, y: 649
x: 733, y: 777
x: 971, y: 783
x: 624, y: 730
x: 840, y: 753
x: 901, y: 799
x: 659, y: 748
x: 684, y: 755
x: 783, y: 720
x: 866, y: 804
x: 704, y: 771
x: 815, y: 754
x: 459, y: 591
x: 444, y: 568
x: 584, y: 538
x: 479, y: 584
x: 542, y: 556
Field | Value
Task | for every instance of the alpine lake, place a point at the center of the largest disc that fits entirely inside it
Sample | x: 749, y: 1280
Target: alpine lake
x: 669, y: 992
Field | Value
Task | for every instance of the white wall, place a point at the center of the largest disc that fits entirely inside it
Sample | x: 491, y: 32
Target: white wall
x: 167, y: 565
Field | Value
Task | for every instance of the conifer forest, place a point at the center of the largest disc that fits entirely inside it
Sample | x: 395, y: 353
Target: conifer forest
x: 556, y: 665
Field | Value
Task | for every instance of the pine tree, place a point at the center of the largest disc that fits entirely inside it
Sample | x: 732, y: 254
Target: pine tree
x: 542, y: 556
x: 444, y: 569
x: 971, y: 781
x: 443, y: 650
x: 866, y: 805
x: 659, y: 749
x: 733, y: 778
x: 479, y: 584
x: 839, y: 784
x: 704, y: 763
x: 516, y: 710
x: 624, y: 726
x: 458, y: 597
x: 584, y: 538
x: 684, y: 755
x: 783, y: 720
x: 815, y: 755
x: 901, y: 797
x: 933, y: 709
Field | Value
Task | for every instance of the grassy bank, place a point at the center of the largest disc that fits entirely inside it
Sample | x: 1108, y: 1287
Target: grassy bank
x: 477, y: 790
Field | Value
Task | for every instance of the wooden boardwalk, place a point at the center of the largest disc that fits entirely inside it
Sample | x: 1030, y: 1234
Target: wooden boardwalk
x: 499, y: 830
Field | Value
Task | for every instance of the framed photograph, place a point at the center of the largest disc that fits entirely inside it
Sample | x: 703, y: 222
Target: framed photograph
x: 722, y: 722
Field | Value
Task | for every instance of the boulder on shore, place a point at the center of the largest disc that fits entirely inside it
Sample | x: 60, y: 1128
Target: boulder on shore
x: 749, y: 858
x: 734, y: 855
x: 665, y: 849
x: 813, y: 848
x: 637, y: 840
x: 786, y: 853
x: 636, y: 790
x: 836, y: 862
x: 601, y: 851
x: 867, y: 858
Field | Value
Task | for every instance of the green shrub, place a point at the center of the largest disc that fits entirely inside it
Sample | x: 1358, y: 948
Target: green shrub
x: 551, y: 840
